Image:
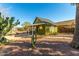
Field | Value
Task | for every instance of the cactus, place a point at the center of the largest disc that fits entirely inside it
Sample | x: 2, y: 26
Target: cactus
x: 6, y: 24
x: 34, y: 38
x: 33, y: 41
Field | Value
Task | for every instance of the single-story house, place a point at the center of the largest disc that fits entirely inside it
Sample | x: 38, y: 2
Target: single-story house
x: 66, y: 26
x: 43, y: 26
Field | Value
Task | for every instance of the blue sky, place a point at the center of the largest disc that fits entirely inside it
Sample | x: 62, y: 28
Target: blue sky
x: 28, y: 11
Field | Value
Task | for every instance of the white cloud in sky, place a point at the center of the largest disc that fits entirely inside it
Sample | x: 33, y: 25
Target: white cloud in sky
x: 5, y: 10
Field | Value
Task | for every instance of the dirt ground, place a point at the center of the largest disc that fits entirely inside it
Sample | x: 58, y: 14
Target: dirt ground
x: 53, y: 45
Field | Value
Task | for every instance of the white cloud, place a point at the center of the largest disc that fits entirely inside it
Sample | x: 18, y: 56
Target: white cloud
x: 5, y: 10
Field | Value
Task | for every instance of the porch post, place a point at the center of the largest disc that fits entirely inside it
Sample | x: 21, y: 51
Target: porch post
x: 28, y: 31
x: 32, y: 30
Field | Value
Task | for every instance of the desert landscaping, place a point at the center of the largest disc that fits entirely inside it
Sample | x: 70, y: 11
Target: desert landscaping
x: 31, y: 30
x: 53, y: 45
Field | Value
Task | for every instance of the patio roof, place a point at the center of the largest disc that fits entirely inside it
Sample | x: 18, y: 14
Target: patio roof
x: 37, y: 24
x: 44, y: 20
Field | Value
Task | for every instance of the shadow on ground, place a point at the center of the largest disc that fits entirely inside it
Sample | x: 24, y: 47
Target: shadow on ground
x: 44, y: 48
x: 23, y: 35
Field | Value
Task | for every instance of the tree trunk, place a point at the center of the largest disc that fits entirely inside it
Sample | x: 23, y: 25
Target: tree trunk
x: 75, y: 41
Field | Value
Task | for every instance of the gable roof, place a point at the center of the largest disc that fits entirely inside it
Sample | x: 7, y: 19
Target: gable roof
x: 43, y: 20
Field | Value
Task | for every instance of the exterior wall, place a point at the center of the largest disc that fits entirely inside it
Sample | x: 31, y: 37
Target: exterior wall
x: 40, y: 30
x: 65, y: 29
x: 46, y: 30
x: 51, y: 30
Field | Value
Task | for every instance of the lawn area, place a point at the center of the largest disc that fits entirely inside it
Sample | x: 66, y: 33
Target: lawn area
x: 53, y: 45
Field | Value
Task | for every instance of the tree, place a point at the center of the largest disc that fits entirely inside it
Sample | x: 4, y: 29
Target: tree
x: 6, y: 24
x: 75, y: 41
x: 25, y: 25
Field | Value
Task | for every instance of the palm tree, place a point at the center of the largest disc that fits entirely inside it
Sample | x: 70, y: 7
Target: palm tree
x: 75, y: 41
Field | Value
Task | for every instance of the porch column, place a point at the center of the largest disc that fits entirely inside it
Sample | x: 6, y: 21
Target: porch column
x: 28, y: 31
x: 32, y: 29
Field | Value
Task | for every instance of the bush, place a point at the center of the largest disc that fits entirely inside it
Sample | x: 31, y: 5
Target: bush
x: 55, y: 33
x: 4, y: 41
x: 20, y: 29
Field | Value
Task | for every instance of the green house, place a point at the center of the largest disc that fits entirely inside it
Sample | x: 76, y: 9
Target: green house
x: 44, y: 26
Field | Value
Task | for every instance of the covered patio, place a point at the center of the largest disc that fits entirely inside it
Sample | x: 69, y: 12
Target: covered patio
x: 42, y: 26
